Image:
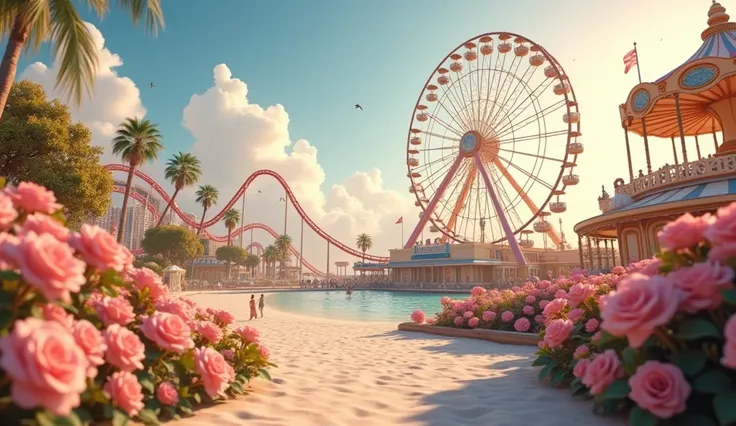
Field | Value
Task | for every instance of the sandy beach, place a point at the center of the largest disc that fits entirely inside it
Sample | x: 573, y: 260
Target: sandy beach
x: 350, y: 373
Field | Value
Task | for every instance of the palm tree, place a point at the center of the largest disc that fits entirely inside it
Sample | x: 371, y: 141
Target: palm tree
x: 182, y: 170
x: 282, y: 243
x: 206, y: 197
x: 231, y: 219
x: 364, y: 243
x: 29, y: 24
x: 251, y: 262
x: 136, y: 141
x: 270, y: 254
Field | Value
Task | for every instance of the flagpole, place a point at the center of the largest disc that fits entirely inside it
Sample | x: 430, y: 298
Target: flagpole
x: 638, y: 70
x: 402, y: 234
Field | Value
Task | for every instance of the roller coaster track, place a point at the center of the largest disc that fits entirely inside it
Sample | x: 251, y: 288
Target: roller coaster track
x: 259, y: 248
x: 218, y: 217
x: 156, y: 214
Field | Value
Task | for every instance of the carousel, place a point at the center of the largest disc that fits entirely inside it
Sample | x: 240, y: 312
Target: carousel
x: 692, y: 109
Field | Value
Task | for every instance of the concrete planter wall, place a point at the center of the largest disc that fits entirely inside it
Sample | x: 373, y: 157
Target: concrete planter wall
x: 505, y: 337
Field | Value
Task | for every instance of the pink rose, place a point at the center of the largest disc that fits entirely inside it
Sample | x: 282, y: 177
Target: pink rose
x: 729, y: 347
x: 7, y: 212
x: 554, y: 308
x: 477, y: 291
x: 33, y: 198
x: 579, y: 293
x: 168, y: 331
x: 417, y: 316
x: 557, y: 332
x: 98, y: 248
x: 507, y: 316
x: 166, y: 394
x: 248, y: 334
x: 603, y: 370
x: 468, y: 314
x: 115, y: 310
x: 473, y: 322
x: 459, y: 321
x: 638, y: 307
x: 522, y: 325
x: 722, y: 230
x: 211, y: 332
x: 445, y: 300
x: 660, y: 389
x: 56, y: 313
x: 700, y: 285
x: 581, y: 352
x: 263, y: 351
x: 580, y: 367
x: 145, y: 278
x: 592, y: 325
x: 126, y: 393
x: 229, y: 354
x: 489, y: 316
x: 685, y: 232
x: 722, y: 252
x: 560, y: 294
x: 213, y: 369
x: 124, y: 348
x: 176, y: 307
x: 596, y: 337
x: 43, y: 224
x: 528, y: 310
x: 618, y: 270
x: 539, y: 319
x: 575, y: 315
x: 90, y: 340
x: 530, y: 299
x: 543, y: 304
x: 542, y: 345
x: 46, y: 366
x: 224, y: 317
x: 47, y: 264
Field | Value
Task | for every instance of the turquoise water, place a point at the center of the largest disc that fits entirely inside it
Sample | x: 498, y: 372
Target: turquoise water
x: 364, y: 305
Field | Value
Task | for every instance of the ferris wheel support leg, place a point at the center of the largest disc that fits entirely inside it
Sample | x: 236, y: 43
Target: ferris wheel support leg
x: 433, y: 203
x: 510, y: 237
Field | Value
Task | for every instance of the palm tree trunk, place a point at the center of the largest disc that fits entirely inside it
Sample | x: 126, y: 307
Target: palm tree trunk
x: 199, y: 230
x: 9, y: 65
x: 168, y: 205
x: 124, y: 209
x: 229, y: 236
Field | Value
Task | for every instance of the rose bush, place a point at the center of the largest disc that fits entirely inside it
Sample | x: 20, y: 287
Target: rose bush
x: 86, y: 338
x: 657, y: 338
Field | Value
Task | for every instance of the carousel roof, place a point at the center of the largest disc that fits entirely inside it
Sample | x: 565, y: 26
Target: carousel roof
x: 692, y: 192
x: 701, y: 81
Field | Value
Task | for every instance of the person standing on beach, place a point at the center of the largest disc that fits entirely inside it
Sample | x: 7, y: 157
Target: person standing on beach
x: 261, y: 304
x: 253, y: 313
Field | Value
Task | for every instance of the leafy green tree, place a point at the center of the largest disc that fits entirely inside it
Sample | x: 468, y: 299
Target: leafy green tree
x: 182, y: 170
x: 172, y: 242
x: 147, y: 258
x: 206, y: 197
x: 364, y: 242
x: 30, y: 23
x: 40, y: 143
x: 252, y: 262
x: 231, y: 219
x: 136, y: 141
x: 231, y: 254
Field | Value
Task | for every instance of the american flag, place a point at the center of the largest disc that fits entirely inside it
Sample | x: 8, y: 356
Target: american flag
x: 630, y: 59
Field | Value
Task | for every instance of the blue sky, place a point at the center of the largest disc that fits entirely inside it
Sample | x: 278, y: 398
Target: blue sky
x: 318, y: 58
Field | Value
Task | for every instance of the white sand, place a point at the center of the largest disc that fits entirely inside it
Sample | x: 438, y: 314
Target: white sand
x: 364, y: 374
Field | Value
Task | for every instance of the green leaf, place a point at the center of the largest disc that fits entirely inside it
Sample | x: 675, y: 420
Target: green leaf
x: 44, y: 418
x: 148, y: 417
x: 617, y: 390
x: 639, y: 417
x: 697, y: 328
x: 119, y: 418
x: 631, y: 360
x: 729, y: 296
x: 237, y: 387
x: 542, y: 360
x: 6, y: 318
x: 152, y: 353
x: 712, y: 381
x: 693, y: 419
x: 546, y: 370
x: 576, y: 386
x: 265, y: 374
x: 691, y: 361
x: 146, y: 380
x: 187, y: 361
x: 557, y: 377
x: 197, y: 398
x: 725, y: 408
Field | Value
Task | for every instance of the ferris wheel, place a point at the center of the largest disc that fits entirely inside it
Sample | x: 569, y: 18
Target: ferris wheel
x: 494, y: 139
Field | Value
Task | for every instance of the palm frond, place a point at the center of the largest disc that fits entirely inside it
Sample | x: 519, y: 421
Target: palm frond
x: 154, y: 14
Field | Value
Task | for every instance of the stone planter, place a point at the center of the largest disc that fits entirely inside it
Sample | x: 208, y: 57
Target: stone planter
x: 504, y: 337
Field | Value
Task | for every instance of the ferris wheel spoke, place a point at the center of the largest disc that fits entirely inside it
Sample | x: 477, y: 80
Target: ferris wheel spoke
x: 529, y: 175
x: 501, y: 216
x: 497, y: 86
x: 445, y: 137
x: 533, y: 137
x: 504, y: 89
x: 462, y: 198
x: 531, y: 155
x: 451, y: 97
x: 532, y: 99
x: 454, y: 183
x: 456, y: 86
x: 510, y: 93
x: 445, y: 125
x: 511, y: 128
x: 524, y: 82
x: 427, y: 168
x: 456, y: 118
x: 469, y: 88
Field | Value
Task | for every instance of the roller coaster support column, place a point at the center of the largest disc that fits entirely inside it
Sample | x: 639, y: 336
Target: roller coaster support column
x: 328, y: 260
x: 301, y: 250
x: 286, y: 210
x: 242, y: 221
x: 432, y: 204
x: 510, y: 237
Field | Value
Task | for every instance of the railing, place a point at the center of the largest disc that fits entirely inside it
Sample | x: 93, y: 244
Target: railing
x: 711, y: 167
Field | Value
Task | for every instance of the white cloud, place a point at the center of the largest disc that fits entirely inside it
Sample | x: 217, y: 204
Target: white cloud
x: 114, y: 97
x: 235, y: 138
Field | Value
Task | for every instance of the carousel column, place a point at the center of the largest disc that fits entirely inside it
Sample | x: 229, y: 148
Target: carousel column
x: 715, y: 138
x: 605, y: 250
x: 580, y: 248
x: 674, y: 150
x: 598, y: 248
x: 613, y: 255
x: 679, y: 125
x: 697, y: 148
x: 628, y: 157
x: 590, y: 253
x: 646, y: 144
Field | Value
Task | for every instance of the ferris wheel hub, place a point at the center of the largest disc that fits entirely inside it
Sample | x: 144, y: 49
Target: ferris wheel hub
x: 473, y: 142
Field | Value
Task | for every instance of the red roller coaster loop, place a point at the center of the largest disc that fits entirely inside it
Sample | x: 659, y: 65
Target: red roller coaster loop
x: 259, y: 248
x: 140, y: 198
x: 218, y: 217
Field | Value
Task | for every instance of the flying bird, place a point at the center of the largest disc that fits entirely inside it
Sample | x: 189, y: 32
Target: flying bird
x: 259, y: 191
x: 281, y: 199
x: 357, y: 106
x: 153, y: 86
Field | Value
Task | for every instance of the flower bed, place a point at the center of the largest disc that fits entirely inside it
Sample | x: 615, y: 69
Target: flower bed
x: 86, y: 338
x: 656, y: 339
